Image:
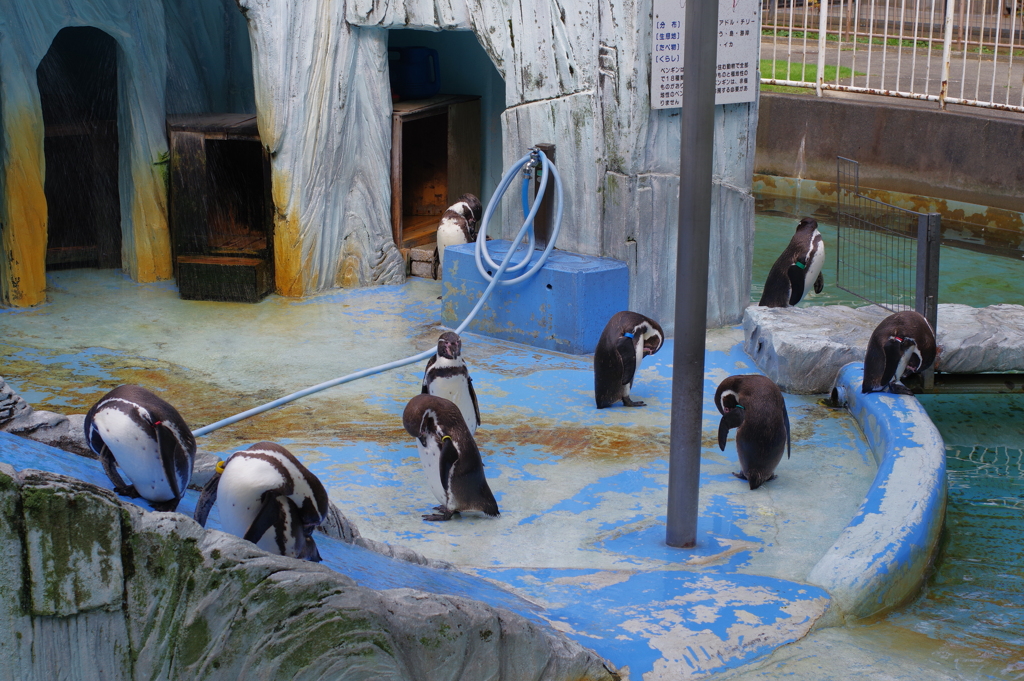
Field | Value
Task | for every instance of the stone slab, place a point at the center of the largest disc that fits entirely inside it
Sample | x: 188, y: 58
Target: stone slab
x: 802, y: 349
x: 564, y: 307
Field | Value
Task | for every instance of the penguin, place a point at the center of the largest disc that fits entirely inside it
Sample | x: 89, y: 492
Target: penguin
x: 797, y: 268
x: 449, y: 456
x: 627, y: 338
x: 754, y: 404
x: 457, y: 226
x: 135, y: 430
x: 265, y: 495
x: 447, y: 376
x: 902, y: 344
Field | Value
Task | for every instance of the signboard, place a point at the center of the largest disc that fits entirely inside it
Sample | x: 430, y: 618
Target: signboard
x: 738, y: 27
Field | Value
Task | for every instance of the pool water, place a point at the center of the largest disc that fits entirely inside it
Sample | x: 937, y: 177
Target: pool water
x: 972, y: 606
x: 965, y: 276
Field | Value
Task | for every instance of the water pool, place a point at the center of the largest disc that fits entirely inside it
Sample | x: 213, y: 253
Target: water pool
x: 969, y: 617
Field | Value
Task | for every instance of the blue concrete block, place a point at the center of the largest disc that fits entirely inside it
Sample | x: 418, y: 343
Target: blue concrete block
x: 564, y: 307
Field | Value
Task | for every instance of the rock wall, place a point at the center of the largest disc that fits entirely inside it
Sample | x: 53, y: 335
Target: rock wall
x: 324, y: 110
x: 26, y: 31
x: 90, y: 584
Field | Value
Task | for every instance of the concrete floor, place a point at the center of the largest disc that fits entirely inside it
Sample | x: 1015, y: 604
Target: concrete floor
x: 582, y: 492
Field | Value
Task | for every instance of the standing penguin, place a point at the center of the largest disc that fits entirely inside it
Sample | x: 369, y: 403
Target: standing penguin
x: 754, y: 404
x: 447, y: 376
x: 902, y: 344
x: 449, y: 456
x: 627, y: 338
x: 135, y: 430
x: 797, y: 268
x: 265, y: 495
x: 458, y: 226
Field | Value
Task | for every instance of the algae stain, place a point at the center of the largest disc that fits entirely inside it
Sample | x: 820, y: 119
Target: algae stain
x: 23, y: 211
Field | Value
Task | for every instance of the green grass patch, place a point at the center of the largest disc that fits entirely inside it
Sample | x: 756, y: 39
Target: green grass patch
x: 807, y: 73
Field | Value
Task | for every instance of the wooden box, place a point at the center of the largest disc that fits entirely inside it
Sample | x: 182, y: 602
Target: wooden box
x: 220, y: 208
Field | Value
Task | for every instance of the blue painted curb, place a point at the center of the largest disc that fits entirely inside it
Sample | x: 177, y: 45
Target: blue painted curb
x: 880, y: 559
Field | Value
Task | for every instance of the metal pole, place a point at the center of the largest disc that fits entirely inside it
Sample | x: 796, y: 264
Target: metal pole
x: 947, y: 43
x: 700, y: 51
x: 822, y: 43
x: 542, y: 220
x: 929, y: 237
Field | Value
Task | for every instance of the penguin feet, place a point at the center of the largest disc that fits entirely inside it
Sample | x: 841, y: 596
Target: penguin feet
x: 171, y: 505
x: 740, y: 475
x: 444, y: 514
x: 899, y: 389
x: 128, y: 491
x: 631, y: 403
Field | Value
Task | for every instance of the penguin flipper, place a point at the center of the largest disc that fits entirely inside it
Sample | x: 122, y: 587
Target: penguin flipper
x: 110, y: 468
x: 177, y: 467
x: 819, y: 283
x: 264, y: 520
x: 626, y: 352
x: 796, y: 282
x: 207, y: 498
x: 426, y: 375
x: 789, y: 444
x: 447, y: 459
x: 472, y: 394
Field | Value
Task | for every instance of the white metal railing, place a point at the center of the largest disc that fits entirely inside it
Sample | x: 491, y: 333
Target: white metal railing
x: 948, y: 51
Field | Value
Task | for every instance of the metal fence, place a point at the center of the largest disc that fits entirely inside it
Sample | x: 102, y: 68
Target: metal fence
x: 886, y: 255
x: 967, y: 52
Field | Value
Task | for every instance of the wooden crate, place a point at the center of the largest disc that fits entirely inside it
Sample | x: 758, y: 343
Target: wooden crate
x: 220, y: 208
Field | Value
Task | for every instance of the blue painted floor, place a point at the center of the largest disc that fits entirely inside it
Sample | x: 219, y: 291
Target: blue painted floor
x: 582, y: 492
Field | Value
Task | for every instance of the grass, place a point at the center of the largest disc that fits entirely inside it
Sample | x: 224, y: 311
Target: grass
x: 936, y: 44
x: 808, y: 73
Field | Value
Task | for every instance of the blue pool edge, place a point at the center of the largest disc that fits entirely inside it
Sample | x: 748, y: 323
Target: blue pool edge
x: 883, y: 556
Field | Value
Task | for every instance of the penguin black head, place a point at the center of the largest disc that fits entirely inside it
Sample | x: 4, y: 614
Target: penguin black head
x: 808, y: 224
x: 449, y: 345
x: 475, y: 207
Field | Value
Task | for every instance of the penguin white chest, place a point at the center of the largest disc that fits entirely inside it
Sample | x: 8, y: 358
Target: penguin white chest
x: 239, y: 493
x: 456, y: 389
x: 136, y: 452
x: 816, y: 260
x: 449, y: 233
x: 430, y: 458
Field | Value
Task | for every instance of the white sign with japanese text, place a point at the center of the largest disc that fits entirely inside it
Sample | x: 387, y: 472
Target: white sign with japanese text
x: 738, y: 26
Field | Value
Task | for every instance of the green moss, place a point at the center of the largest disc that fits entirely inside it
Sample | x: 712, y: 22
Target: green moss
x: 73, y: 527
x: 486, y: 635
x: 194, y: 640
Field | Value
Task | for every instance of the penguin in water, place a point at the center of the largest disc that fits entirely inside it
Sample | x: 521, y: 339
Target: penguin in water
x: 135, y: 430
x: 449, y: 456
x: 458, y: 226
x: 797, y: 269
x: 902, y: 344
x: 754, y: 404
x: 265, y: 495
x: 447, y: 376
x: 627, y: 338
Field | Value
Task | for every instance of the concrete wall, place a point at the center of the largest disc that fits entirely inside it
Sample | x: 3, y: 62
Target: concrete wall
x: 911, y: 148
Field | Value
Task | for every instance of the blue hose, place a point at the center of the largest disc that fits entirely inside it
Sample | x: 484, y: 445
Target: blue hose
x: 536, y: 157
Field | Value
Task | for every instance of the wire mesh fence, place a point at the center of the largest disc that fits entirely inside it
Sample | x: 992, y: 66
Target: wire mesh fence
x: 886, y: 255
x: 967, y: 52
